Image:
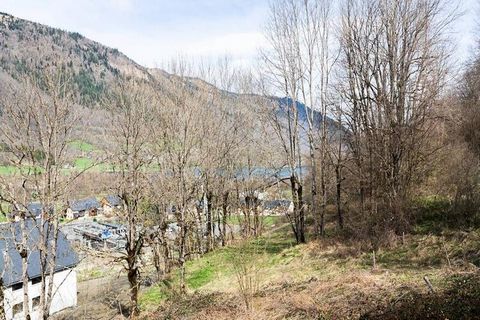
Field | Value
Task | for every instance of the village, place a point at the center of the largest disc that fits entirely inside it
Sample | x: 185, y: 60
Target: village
x: 92, y: 235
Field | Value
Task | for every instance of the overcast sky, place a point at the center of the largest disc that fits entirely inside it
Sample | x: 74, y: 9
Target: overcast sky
x: 153, y: 31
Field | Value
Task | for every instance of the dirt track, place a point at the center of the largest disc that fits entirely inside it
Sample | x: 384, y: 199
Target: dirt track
x: 102, y: 298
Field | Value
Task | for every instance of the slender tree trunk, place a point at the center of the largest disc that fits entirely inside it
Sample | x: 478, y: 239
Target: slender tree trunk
x: 298, y: 222
x: 313, y: 186
x: 2, y: 299
x: 224, y: 218
x: 338, y: 200
x: 51, y: 262
x: 209, y: 227
x: 24, y: 255
x: 182, y: 263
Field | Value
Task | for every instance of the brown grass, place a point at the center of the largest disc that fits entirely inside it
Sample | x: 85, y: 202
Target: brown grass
x: 330, y: 278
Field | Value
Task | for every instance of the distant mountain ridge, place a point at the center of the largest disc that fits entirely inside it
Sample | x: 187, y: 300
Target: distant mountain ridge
x: 26, y: 47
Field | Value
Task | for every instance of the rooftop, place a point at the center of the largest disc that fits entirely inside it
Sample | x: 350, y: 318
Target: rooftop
x: 11, y: 262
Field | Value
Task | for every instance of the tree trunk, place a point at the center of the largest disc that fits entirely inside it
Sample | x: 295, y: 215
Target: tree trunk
x: 134, y: 285
x: 224, y: 218
x: 338, y: 199
x: 24, y: 255
x: 209, y: 227
x: 2, y: 297
x: 298, y: 222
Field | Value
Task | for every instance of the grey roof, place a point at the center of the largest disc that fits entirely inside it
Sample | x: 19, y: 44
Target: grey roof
x: 32, y: 210
x: 274, y: 204
x: 35, y: 208
x: 84, y: 204
x: 11, y: 262
x: 113, y: 200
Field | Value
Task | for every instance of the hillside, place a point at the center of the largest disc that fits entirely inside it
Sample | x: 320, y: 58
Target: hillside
x: 28, y: 47
x: 329, y: 278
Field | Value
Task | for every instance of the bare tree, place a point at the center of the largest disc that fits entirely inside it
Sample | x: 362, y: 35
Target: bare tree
x: 284, y: 72
x: 38, y: 118
x: 470, y: 109
x: 132, y: 106
x: 314, y: 25
x: 394, y: 62
x: 179, y: 135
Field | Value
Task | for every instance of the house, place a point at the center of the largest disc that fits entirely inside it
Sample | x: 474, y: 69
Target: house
x: 80, y: 208
x: 64, y: 278
x: 33, y: 210
x: 276, y: 207
x: 98, y: 235
x: 110, y: 204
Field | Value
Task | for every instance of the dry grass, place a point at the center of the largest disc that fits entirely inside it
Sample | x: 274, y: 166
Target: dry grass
x: 325, y: 279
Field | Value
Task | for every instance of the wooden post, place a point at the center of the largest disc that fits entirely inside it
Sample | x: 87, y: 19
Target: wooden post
x: 446, y: 254
x: 429, y: 284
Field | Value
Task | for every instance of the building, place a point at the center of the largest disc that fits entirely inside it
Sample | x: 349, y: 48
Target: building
x: 80, y: 208
x: 97, y: 235
x: 110, y: 204
x: 115, y: 228
x: 276, y: 207
x: 35, y: 209
x: 32, y: 210
x: 64, y: 279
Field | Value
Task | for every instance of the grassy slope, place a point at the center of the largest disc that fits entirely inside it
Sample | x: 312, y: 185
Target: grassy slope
x: 80, y: 163
x: 326, y: 278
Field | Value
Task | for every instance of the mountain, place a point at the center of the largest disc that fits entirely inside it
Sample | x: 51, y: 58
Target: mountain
x: 28, y: 47
x: 303, y: 114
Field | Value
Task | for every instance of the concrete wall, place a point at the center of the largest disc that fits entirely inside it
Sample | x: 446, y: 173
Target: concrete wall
x: 64, y: 295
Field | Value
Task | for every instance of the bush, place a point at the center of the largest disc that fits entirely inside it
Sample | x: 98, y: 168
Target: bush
x: 434, y: 214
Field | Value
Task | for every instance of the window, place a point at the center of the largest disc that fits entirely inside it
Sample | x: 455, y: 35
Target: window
x: 17, y: 286
x: 36, y: 280
x: 17, y: 309
x: 35, y: 303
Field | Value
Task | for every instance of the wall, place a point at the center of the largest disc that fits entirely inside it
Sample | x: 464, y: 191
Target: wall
x: 64, y: 295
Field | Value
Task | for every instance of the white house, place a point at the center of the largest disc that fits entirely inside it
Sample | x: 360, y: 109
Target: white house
x: 110, y: 204
x: 64, y: 279
x: 80, y: 208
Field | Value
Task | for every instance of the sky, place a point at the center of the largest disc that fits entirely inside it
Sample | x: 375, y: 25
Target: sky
x: 151, y: 32
x: 154, y: 31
